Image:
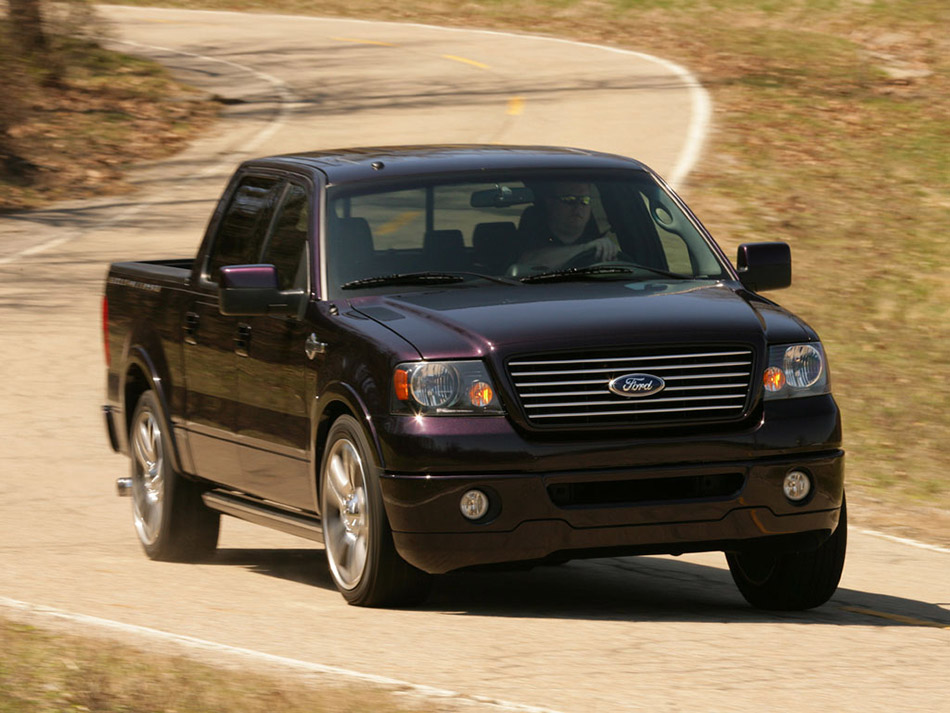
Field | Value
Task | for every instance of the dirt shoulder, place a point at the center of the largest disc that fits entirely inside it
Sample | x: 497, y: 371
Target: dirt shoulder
x: 899, y: 518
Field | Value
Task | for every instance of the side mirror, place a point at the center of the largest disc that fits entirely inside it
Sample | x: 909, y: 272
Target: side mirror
x: 253, y: 291
x: 765, y: 266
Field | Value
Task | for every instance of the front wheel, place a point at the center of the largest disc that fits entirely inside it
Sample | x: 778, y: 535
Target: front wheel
x: 171, y: 520
x: 363, y: 561
x: 792, y: 581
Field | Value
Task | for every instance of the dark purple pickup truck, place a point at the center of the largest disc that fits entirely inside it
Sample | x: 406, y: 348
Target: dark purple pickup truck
x: 434, y: 358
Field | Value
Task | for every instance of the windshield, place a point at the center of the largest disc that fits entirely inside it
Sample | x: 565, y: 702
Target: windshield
x: 524, y: 230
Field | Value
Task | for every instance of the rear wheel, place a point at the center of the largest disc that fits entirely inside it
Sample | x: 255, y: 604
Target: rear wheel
x: 170, y: 518
x: 363, y: 561
x: 795, y: 580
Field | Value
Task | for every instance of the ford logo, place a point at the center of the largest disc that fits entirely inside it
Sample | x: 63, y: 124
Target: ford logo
x: 636, y: 385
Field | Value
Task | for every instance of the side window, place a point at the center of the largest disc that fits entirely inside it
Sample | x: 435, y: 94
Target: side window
x: 241, y: 232
x: 287, y: 247
x: 676, y: 251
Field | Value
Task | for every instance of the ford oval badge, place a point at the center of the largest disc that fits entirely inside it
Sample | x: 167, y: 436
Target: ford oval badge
x: 637, y: 385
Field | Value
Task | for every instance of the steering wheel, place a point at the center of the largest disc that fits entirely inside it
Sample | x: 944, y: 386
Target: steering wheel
x: 585, y: 259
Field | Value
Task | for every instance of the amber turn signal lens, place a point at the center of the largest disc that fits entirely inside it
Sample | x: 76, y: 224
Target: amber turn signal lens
x: 774, y: 379
x: 401, y: 384
x: 480, y: 394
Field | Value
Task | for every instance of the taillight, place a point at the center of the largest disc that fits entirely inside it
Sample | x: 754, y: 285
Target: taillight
x: 105, y: 329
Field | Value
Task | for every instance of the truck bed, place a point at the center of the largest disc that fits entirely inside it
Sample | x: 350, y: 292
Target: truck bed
x: 172, y: 271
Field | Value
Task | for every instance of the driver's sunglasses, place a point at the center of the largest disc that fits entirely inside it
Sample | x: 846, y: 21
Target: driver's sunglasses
x: 574, y: 200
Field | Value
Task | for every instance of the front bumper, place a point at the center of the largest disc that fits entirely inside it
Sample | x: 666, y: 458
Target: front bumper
x: 532, y: 519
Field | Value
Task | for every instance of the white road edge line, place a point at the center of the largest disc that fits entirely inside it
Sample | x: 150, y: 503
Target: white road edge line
x: 191, y: 642
x: 286, y: 98
x: 904, y: 541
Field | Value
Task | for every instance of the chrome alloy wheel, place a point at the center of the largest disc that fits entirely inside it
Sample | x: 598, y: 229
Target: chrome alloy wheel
x: 148, y: 481
x: 346, y: 522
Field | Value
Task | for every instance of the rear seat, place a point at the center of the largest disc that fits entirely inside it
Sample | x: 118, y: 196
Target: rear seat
x: 496, y: 245
x: 445, y: 250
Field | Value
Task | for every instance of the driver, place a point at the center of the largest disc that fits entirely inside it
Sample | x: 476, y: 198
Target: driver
x: 563, y: 233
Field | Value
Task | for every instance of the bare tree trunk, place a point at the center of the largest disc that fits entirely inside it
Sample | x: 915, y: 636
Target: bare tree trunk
x: 27, y: 21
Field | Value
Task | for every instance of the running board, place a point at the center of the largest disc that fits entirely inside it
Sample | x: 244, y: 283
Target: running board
x: 263, y: 513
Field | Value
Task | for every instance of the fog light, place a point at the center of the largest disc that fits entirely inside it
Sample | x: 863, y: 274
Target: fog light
x: 797, y: 486
x: 474, y: 504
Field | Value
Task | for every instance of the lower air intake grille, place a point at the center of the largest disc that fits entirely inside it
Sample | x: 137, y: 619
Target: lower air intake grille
x: 686, y: 385
x: 631, y: 492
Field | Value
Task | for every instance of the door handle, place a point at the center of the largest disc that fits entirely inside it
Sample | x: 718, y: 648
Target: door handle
x: 313, y: 347
x: 242, y: 339
x: 191, y: 327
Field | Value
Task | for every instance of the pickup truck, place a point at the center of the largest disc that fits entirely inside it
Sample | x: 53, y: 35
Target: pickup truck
x: 435, y: 358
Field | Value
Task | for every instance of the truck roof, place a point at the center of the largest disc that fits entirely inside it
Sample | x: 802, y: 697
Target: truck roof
x: 387, y: 162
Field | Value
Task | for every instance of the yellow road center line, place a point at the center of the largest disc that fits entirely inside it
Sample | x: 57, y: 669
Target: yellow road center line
x: 515, y: 106
x: 896, y: 617
x: 465, y: 60
x: 400, y: 221
x: 363, y: 42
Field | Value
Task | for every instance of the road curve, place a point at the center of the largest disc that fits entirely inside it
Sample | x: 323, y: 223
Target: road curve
x: 650, y: 633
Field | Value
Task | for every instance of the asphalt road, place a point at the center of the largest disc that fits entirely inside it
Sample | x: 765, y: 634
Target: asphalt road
x: 651, y: 633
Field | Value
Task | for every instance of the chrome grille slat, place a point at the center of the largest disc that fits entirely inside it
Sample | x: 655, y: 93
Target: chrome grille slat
x: 640, y: 358
x: 586, y: 382
x: 598, y: 392
x: 648, y: 367
x: 703, y: 385
x: 731, y: 374
x: 613, y: 413
x: 652, y: 401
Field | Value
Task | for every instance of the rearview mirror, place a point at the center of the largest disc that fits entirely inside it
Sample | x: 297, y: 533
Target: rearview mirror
x: 501, y: 197
x: 765, y: 266
x: 253, y: 291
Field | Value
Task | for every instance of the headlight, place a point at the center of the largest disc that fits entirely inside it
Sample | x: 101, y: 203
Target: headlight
x: 444, y: 388
x: 796, y: 370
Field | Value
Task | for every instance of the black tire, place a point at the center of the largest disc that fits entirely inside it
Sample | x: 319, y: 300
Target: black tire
x: 171, y: 520
x: 792, y: 581
x: 362, y: 559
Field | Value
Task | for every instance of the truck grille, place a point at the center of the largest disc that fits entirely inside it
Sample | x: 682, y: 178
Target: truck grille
x: 701, y: 385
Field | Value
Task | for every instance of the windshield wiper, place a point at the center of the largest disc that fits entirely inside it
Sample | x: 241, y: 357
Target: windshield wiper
x: 422, y: 278
x: 581, y: 273
x: 577, y: 273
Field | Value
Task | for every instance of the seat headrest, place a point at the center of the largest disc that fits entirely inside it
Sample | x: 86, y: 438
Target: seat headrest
x: 443, y: 241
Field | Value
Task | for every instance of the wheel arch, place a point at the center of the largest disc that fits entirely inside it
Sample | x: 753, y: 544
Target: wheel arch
x: 141, y: 375
x: 337, y: 400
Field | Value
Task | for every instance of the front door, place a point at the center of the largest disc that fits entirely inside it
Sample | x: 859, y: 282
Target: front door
x: 276, y: 379
x: 213, y: 341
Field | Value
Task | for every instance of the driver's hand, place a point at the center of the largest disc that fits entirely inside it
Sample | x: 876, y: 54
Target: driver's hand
x: 605, y: 249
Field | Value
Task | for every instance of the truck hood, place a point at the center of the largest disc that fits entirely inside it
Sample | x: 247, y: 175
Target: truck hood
x: 469, y: 321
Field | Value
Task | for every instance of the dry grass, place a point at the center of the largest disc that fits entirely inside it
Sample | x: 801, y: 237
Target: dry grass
x: 43, y: 672
x: 75, y: 118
